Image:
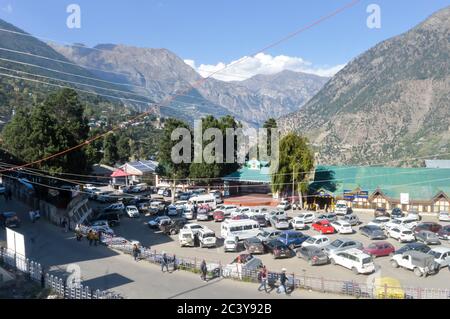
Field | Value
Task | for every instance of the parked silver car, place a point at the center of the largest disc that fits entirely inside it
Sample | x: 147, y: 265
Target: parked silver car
x: 428, y: 237
x: 342, y: 244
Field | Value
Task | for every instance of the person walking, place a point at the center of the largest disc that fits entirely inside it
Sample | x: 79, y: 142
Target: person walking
x: 283, y: 279
x: 78, y: 233
x: 175, y: 263
x: 262, y: 276
x: 164, y: 262
x: 90, y: 237
x: 95, y: 237
x: 204, y: 270
x: 136, y: 252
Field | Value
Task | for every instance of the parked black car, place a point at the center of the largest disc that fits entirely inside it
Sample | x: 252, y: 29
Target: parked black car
x: 278, y: 249
x: 397, y: 213
x: 381, y: 212
x: 113, y: 218
x: 173, y: 226
x: 254, y: 245
x: 413, y: 246
x: 373, y: 232
x: 313, y: 255
x: 9, y: 219
x: 261, y: 219
x: 444, y: 233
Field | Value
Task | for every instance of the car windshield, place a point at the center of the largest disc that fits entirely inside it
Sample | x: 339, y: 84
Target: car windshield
x: 435, y: 254
x: 230, y: 242
x: 337, y: 243
x: 209, y: 235
x: 253, y: 241
x: 407, y: 232
x: 196, y: 226
x: 367, y: 260
x: 311, y: 240
x: 373, y: 246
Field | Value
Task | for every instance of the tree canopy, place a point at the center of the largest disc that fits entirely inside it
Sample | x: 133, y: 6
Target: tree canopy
x: 296, y: 160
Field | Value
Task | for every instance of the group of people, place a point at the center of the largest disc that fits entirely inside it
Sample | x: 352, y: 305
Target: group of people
x: 263, y: 280
x: 92, y: 236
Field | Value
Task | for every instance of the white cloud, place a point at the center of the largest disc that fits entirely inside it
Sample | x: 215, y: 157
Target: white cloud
x: 261, y: 63
x: 8, y: 8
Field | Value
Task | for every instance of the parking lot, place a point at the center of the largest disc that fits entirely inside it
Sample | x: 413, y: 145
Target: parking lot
x: 137, y: 229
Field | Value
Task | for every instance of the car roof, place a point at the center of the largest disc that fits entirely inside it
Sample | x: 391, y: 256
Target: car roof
x: 441, y: 249
x: 356, y: 252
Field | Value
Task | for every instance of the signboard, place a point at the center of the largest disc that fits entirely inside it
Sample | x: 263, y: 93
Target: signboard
x: 404, y: 198
x: 363, y: 194
x: 349, y: 195
x: 16, y: 244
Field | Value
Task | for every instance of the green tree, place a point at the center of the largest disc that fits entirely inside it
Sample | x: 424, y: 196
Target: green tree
x: 296, y: 160
x: 48, y: 128
x: 168, y: 168
x: 123, y: 148
x: 211, y: 171
x: 110, y: 154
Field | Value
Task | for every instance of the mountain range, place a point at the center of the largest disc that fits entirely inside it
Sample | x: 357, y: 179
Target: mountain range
x: 159, y: 73
x: 389, y: 105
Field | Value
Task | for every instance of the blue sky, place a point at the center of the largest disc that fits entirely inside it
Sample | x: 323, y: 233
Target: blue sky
x: 213, y: 31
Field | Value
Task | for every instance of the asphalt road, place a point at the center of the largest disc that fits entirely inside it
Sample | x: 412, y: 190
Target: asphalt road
x: 102, y: 268
x: 136, y: 229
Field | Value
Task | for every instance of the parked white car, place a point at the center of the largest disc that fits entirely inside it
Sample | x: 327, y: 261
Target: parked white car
x: 444, y: 216
x: 181, y: 205
x: 207, y: 238
x: 441, y: 256
x: 402, y: 234
x: 354, y: 259
x: 379, y: 221
x: 227, y: 209
x: 341, y: 207
x: 275, y: 213
x: 307, y: 217
x: 132, y: 211
x: 193, y: 227
x: 240, y: 211
x: 422, y: 264
x: 319, y: 241
x: 284, y: 205
x: 342, y: 227
x: 406, y: 222
x: 279, y: 222
x: 230, y: 244
x: 298, y: 223
x: 186, y: 238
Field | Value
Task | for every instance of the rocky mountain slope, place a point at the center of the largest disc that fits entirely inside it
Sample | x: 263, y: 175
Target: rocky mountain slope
x: 159, y: 73
x: 389, y: 105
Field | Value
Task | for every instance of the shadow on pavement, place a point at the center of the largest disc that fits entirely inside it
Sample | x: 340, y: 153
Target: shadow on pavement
x: 107, y: 282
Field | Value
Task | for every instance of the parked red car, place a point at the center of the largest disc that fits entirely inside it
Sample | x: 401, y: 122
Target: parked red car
x: 430, y: 226
x: 323, y: 226
x: 379, y: 249
x: 239, y: 217
x: 219, y: 216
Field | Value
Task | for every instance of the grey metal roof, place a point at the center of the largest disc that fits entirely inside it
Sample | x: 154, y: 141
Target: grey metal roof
x: 437, y: 163
x: 144, y: 166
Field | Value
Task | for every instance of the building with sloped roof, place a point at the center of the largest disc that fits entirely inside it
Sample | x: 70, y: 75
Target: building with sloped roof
x: 421, y: 189
x: 140, y: 171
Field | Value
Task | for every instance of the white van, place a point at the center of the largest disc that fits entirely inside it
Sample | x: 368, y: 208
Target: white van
x: 341, y: 207
x: 209, y: 200
x: 207, y: 238
x: 240, y: 229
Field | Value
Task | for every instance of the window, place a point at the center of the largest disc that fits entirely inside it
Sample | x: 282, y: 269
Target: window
x: 441, y: 205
